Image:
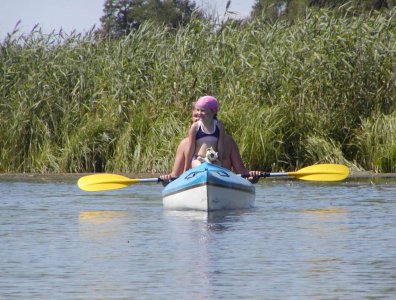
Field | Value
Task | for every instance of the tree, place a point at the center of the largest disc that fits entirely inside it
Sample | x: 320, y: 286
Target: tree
x: 379, y: 4
x: 271, y: 9
x: 327, y: 3
x: 364, y: 4
x: 274, y: 9
x: 122, y: 16
x: 116, y: 20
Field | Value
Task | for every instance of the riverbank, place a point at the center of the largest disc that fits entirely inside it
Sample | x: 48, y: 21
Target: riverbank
x: 73, y: 177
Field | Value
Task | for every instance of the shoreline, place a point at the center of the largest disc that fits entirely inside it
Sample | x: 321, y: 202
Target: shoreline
x: 70, y: 177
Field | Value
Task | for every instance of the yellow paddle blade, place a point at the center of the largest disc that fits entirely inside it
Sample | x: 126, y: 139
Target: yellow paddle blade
x: 322, y: 172
x: 103, y: 182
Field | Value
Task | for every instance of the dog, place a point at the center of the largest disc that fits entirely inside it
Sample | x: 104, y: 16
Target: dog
x: 211, y: 156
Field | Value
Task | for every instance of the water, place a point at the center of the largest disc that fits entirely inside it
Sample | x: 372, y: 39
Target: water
x: 303, y: 240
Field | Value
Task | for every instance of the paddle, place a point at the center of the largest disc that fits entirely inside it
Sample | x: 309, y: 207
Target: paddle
x: 321, y: 172
x: 104, y: 182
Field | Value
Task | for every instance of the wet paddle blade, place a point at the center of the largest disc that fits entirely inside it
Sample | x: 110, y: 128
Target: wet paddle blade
x: 104, y: 182
x: 322, y: 172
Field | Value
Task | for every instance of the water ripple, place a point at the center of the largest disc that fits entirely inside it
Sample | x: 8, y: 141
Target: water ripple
x: 302, y: 241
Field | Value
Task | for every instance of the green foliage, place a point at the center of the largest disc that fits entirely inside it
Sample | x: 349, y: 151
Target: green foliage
x: 320, y: 90
x: 122, y: 16
x: 375, y: 142
x: 272, y: 10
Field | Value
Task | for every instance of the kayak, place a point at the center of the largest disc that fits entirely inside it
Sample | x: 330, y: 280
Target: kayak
x: 208, y: 187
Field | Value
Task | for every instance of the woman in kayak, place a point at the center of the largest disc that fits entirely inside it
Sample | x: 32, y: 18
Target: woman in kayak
x: 204, y: 134
x: 232, y: 159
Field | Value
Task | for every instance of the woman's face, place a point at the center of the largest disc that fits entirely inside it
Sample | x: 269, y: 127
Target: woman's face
x: 202, y: 113
x: 194, y: 115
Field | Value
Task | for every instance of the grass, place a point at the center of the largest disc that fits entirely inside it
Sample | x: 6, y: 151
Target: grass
x: 319, y: 90
x: 376, y: 143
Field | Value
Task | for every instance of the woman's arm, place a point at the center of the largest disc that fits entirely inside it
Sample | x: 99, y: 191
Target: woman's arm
x: 190, y: 145
x: 220, y: 143
x: 180, y: 159
x: 238, y: 165
x: 235, y: 156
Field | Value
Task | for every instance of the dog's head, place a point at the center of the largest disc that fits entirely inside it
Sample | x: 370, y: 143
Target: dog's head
x: 211, y: 155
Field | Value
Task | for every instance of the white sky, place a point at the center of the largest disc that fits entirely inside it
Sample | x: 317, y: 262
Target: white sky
x: 80, y: 15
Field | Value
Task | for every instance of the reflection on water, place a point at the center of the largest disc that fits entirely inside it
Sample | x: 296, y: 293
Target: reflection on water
x: 99, y: 217
x: 302, y: 241
x: 213, y: 220
x: 326, y: 212
x: 100, y: 224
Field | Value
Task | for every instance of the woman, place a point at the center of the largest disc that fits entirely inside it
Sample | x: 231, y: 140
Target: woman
x: 206, y: 133
x: 231, y: 160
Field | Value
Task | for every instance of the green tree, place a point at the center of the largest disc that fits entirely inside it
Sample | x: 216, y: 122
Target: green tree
x: 274, y: 9
x: 353, y: 7
x: 363, y: 4
x: 122, y: 16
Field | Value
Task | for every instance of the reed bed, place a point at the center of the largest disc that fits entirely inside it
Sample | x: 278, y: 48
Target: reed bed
x: 320, y: 90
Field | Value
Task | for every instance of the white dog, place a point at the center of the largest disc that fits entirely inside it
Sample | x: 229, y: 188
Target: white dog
x: 211, y: 156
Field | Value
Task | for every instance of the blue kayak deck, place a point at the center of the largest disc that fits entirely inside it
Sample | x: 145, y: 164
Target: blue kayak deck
x: 208, y: 174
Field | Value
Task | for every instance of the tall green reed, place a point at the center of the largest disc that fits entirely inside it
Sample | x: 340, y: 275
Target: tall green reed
x: 375, y: 143
x: 290, y: 95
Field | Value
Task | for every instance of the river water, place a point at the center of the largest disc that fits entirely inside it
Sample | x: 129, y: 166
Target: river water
x: 303, y: 240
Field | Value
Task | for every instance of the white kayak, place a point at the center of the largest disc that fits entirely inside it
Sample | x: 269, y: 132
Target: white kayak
x: 208, y: 187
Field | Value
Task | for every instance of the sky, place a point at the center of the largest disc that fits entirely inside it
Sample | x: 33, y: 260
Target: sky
x: 79, y: 15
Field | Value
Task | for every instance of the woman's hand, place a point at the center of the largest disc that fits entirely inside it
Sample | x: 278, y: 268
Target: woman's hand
x: 254, y: 176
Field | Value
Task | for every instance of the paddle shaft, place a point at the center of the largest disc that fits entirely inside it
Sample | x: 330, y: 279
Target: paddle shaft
x: 320, y: 172
x: 276, y: 174
x: 266, y: 174
x: 156, y: 180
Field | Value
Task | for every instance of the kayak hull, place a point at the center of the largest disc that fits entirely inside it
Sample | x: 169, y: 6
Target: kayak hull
x: 208, y: 187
